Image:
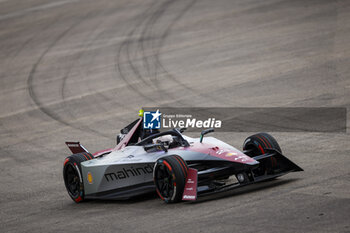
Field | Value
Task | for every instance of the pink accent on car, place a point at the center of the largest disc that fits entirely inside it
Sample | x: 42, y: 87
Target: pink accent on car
x: 190, y: 190
x: 121, y: 144
x: 127, y: 137
x: 230, y: 154
x: 98, y: 153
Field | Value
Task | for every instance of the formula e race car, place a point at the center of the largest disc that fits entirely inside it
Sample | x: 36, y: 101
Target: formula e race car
x: 177, y: 167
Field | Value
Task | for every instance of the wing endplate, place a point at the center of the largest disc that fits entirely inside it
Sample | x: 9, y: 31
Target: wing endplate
x: 76, y: 147
x: 190, y: 190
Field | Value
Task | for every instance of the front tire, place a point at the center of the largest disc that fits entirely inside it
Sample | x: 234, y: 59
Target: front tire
x: 170, y: 175
x: 258, y: 143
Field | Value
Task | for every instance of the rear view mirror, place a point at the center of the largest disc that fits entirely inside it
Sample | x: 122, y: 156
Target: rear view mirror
x: 204, y: 132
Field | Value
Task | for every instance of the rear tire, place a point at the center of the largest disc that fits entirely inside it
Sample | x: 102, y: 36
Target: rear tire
x: 170, y: 175
x: 72, y: 175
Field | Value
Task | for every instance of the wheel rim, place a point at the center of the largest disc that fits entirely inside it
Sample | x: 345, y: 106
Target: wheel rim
x: 254, y: 150
x: 164, y: 181
x: 72, y: 180
x: 266, y: 166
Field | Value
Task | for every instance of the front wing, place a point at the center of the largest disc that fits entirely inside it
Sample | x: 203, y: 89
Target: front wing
x: 248, y: 176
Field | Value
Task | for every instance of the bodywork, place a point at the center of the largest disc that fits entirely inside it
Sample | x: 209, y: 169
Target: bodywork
x: 127, y: 169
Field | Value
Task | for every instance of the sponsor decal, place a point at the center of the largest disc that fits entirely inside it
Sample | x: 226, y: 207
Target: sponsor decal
x: 189, y: 197
x: 226, y: 152
x: 127, y: 173
x: 231, y: 154
x: 89, y: 178
x: 190, y: 191
x: 219, y: 152
x: 242, y: 158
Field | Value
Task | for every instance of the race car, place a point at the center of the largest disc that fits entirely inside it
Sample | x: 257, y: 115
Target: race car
x: 177, y: 167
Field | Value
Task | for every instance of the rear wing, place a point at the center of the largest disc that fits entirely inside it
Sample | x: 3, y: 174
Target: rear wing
x: 76, y: 147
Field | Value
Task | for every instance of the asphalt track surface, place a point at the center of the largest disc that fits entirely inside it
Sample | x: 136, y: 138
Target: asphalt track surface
x: 81, y: 69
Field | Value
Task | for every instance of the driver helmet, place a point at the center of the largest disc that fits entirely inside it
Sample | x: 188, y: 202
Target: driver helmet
x: 166, y: 140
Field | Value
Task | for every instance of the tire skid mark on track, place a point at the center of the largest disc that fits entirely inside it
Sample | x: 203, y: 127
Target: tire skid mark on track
x: 156, y: 49
x: 22, y: 47
x: 30, y: 81
x: 152, y: 64
x: 171, y: 77
x: 154, y: 17
x: 125, y: 44
x: 28, y: 41
x: 148, y: 36
x: 155, y: 59
x: 4, y: 127
x: 77, y: 58
x: 119, y: 69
